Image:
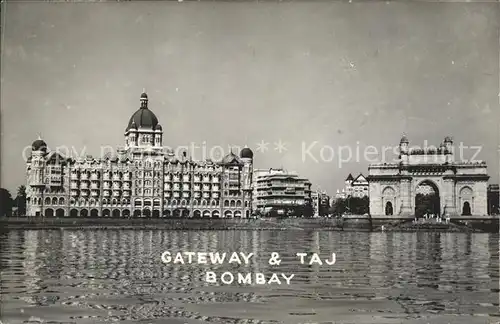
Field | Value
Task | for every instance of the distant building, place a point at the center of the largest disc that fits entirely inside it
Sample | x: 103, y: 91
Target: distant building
x: 340, y: 194
x: 279, y: 190
x: 354, y: 187
x: 357, y: 187
x: 143, y: 179
x: 320, y: 203
x: 493, y: 199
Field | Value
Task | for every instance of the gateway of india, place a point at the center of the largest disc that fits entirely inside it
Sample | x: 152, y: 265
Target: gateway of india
x: 458, y: 188
x: 142, y: 180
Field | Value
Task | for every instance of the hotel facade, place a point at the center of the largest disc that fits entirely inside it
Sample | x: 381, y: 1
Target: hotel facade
x: 143, y: 179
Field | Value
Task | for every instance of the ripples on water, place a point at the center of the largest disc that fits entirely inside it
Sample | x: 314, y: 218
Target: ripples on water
x: 92, y: 276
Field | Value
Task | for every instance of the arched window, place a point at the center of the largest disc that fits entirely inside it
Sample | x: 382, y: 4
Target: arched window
x: 388, y: 208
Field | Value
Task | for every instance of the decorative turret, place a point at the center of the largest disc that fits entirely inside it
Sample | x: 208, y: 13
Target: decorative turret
x: 246, y: 155
x: 144, y: 100
x: 448, y: 144
x: 403, y: 149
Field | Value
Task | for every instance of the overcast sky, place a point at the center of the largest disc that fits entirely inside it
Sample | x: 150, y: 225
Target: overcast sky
x: 221, y: 73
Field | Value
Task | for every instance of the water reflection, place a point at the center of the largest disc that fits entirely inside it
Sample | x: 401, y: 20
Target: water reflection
x: 89, y: 276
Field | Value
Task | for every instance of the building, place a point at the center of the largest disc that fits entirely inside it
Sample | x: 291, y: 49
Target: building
x: 427, y: 181
x: 341, y: 194
x: 356, y: 187
x: 320, y: 203
x: 493, y: 199
x: 280, y: 191
x: 143, y: 179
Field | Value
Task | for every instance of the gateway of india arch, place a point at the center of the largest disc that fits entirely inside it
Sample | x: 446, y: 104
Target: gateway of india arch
x: 428, y: 181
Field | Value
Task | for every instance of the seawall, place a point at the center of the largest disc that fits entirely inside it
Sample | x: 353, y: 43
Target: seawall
x: 348, y: 223
x: 331, y: 224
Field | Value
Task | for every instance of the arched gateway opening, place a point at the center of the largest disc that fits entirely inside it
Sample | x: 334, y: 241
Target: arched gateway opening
x: 427, y: 200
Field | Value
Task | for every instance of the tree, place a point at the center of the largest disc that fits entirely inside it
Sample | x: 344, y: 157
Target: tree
x: 308, y: 209
x: 352, y: 205
x: 6, y: 203
x: 20, y: 201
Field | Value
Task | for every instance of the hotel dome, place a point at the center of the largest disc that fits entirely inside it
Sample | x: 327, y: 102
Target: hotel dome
x: 143, y: 117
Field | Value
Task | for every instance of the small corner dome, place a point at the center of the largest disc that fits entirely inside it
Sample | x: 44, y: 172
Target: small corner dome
x: 246, y: 153
x: 144, y: 95
x: 448, y: 139
x: 158, y: 127
x: 39, y: 145
x: 404, y: 139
